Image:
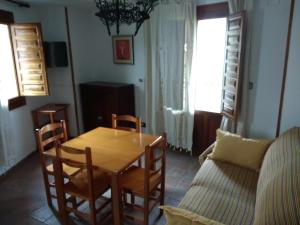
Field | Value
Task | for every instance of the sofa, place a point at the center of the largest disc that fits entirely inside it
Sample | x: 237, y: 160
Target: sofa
x: 233, y: 195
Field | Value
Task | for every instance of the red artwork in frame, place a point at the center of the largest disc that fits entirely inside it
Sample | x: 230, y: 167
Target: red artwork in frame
x: 123, y: 49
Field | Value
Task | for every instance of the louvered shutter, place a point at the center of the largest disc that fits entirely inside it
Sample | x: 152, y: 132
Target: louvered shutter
x: 233, y: 69
x: 29, y: 59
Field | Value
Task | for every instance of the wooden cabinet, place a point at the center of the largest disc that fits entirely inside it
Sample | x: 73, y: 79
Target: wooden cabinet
x: 99, y: 100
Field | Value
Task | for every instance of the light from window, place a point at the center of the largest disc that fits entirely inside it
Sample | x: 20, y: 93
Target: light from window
x: 8, y: 83
x: 209, y: 66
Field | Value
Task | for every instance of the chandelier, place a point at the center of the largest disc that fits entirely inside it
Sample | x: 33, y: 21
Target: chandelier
x: 117, y: 12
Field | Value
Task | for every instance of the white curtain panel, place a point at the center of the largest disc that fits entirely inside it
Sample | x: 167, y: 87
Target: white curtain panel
x: 7, y: 153
x: 236, y: 6
x: 7, y: 156
x: 170, y: 39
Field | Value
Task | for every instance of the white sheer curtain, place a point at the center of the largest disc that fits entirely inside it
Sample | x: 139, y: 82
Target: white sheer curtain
x: 236, y: 6
x: 170, y: 39
x: 7, y: 153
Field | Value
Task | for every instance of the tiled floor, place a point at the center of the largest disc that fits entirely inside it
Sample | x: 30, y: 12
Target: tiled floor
x: 23, y: 201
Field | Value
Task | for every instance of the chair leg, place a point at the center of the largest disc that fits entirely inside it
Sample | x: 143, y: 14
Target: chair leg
x: 124, y: 195
x: 146, y: 211
x: 139, y: 163
x: 47, y: 189
x: 74, y: 202
x: 93, y: 213
x: 162, y: 198
x: 64, y: 211
x: 132, y: 198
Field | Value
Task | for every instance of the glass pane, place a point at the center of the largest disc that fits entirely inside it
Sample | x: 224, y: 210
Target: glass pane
x: 210, y: 62
x: 8, y: 84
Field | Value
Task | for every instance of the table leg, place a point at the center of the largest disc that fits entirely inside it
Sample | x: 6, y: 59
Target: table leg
x: 59, y: 193
x: 116, y: 200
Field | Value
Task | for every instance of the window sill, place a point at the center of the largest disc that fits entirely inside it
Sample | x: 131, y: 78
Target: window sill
x: 16, y: 102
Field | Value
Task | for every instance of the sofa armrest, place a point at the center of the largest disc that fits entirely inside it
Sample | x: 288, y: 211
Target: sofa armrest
x: 204, y: 154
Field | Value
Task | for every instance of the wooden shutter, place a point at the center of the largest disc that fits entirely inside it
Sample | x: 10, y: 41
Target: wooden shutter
x: 234, y: 55
x: 29, y: 59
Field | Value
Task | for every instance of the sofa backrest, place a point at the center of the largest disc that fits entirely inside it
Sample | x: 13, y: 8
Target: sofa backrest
x: 278, y: 187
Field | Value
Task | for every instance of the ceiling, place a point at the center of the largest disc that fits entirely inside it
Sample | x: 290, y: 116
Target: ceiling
x: 87, y: 4
x: 63, y: 2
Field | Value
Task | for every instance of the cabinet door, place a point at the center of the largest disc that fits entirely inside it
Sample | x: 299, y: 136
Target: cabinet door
x: 97, y: 106
x: 99, y: 102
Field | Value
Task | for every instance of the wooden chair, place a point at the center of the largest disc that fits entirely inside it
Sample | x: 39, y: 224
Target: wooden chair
x: 89, y: 184
x: 46, y: 138
x: 127, y: 119
x: 147, y: 183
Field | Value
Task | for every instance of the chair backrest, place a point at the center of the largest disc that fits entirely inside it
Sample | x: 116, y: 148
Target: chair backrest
x: 50, y: 133
x: 155, y: 161
x: 126, y: 118
x: 76, y: 158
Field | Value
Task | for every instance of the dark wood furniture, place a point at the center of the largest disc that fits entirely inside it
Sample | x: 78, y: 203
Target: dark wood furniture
x: 147, y: 183
x: 99, y: 100
x: 89, y: 184
x: 50, y: 113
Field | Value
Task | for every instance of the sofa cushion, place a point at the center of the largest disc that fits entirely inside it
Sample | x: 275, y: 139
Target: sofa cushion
x: 222, y: 192
x: 244, y: 152
x: 222, y: 133
x: 178, y: 216
x: 278, y: 188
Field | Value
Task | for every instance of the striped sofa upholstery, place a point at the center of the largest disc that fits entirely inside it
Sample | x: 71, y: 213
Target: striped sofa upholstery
x: 233, y: 195
x: 278, y: 188
x: 222, y: 192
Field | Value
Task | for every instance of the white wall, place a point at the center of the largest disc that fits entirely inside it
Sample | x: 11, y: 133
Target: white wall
x: 270, y: 27
x: 93, y: 55
x: 52, y: 19
x: 291, y: 105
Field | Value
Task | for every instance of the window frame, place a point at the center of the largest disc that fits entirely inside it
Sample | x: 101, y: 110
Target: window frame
x: 7, y: 18
x: 219, y: 10
x: 212, y: 11
x: 27, y: 43
x: 29, y: 60
x: 238, y: 31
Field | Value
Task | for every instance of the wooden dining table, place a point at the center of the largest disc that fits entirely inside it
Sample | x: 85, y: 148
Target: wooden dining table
x: 112, y: 151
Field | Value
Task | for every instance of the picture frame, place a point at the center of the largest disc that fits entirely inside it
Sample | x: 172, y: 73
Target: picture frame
x: 123, y: 49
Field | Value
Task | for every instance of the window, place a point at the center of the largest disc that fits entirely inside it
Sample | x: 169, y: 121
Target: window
x: 8, y: 82
x: 211, y: 34
x: 210, y: 63
x: 220, y: 50
x: 22, y: 66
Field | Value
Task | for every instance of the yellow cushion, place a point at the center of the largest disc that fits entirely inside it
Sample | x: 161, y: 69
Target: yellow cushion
x: 222, y: 133
x: 244, y: 152
x: 177, y: 216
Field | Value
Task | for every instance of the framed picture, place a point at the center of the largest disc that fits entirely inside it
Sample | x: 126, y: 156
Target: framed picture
x: 123, y: 49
